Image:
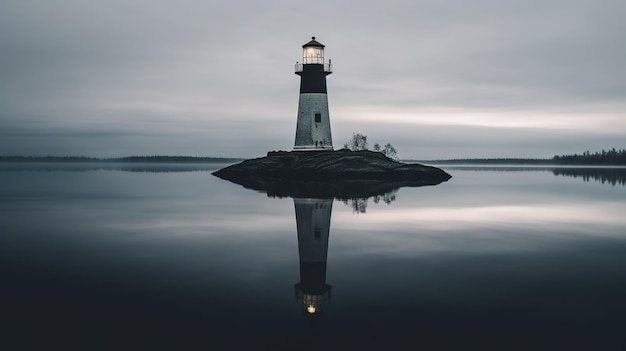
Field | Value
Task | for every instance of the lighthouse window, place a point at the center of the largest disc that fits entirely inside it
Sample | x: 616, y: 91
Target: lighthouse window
x: 318, y: 118
x: 313, y: 55
x: 318, y: 233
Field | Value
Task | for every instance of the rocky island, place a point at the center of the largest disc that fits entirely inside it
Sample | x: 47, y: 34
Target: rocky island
x: 313, y: 169
x: 340, y: 174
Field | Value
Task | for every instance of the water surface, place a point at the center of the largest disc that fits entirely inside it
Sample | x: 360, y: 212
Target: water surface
x: 175, y: 257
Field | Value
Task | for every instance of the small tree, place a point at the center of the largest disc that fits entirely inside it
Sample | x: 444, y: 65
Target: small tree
x: 390, y: 151
x: 357, y: 142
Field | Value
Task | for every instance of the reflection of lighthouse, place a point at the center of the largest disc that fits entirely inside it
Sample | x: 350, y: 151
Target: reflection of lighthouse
x: 313, y: 222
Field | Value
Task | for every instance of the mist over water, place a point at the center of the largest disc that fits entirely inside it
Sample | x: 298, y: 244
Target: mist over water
x: 175, y: 257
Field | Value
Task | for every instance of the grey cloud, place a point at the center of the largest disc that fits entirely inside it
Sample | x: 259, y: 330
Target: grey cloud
x: 220, y: 75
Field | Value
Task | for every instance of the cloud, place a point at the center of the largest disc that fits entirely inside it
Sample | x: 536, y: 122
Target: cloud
x: 223, y: 72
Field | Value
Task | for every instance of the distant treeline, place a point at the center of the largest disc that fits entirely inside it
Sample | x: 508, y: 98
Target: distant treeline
x: 612, y: 157
x: 130, y: 159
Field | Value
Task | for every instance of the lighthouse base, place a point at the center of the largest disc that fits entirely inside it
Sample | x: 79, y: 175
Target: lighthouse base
x: 313, y: 148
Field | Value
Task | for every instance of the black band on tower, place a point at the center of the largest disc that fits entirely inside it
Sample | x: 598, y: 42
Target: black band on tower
x: 313, y: 79
x: 313, y: 277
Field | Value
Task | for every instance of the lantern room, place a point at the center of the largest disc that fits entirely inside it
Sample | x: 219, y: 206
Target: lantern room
x: 313, y: 53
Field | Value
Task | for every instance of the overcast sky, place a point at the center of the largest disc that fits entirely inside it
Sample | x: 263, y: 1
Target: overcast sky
x: 437, y: 79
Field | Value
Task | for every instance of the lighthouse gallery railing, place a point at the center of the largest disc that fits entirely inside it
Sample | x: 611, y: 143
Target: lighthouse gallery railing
x: 328, y: 67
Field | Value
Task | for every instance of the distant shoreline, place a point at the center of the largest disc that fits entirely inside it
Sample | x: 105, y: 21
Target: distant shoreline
x: 130, y: 159
x: 605, y: 158
x: 518, y: 162
x: 490, y: 161
x: 611, y: 157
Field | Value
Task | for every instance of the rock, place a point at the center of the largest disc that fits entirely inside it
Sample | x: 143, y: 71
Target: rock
x: 326, y: 174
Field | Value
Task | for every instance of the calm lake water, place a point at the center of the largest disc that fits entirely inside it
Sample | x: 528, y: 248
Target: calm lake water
x: 171, y: 256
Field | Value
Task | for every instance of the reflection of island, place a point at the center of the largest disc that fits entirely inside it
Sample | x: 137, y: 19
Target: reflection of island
x: 313, y: 223
x: 359, y: 205
x: 330, y: 189
x: 613, y: 176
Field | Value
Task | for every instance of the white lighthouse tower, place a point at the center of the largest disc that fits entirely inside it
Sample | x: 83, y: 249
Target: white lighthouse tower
x: 313, y: 128
x: 313, y: 223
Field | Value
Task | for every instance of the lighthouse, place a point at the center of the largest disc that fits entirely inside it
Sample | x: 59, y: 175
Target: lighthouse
x: 313, y: 127
x: 313, y: 224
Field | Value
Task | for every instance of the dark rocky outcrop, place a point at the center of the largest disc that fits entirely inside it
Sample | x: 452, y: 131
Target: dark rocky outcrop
x: 327, y: 174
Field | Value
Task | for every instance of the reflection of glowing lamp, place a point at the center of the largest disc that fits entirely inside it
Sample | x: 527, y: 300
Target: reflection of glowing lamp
x: 313, y: 294
x: 313, y: 303
x: 313, y: 223
x: 313, y: 127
